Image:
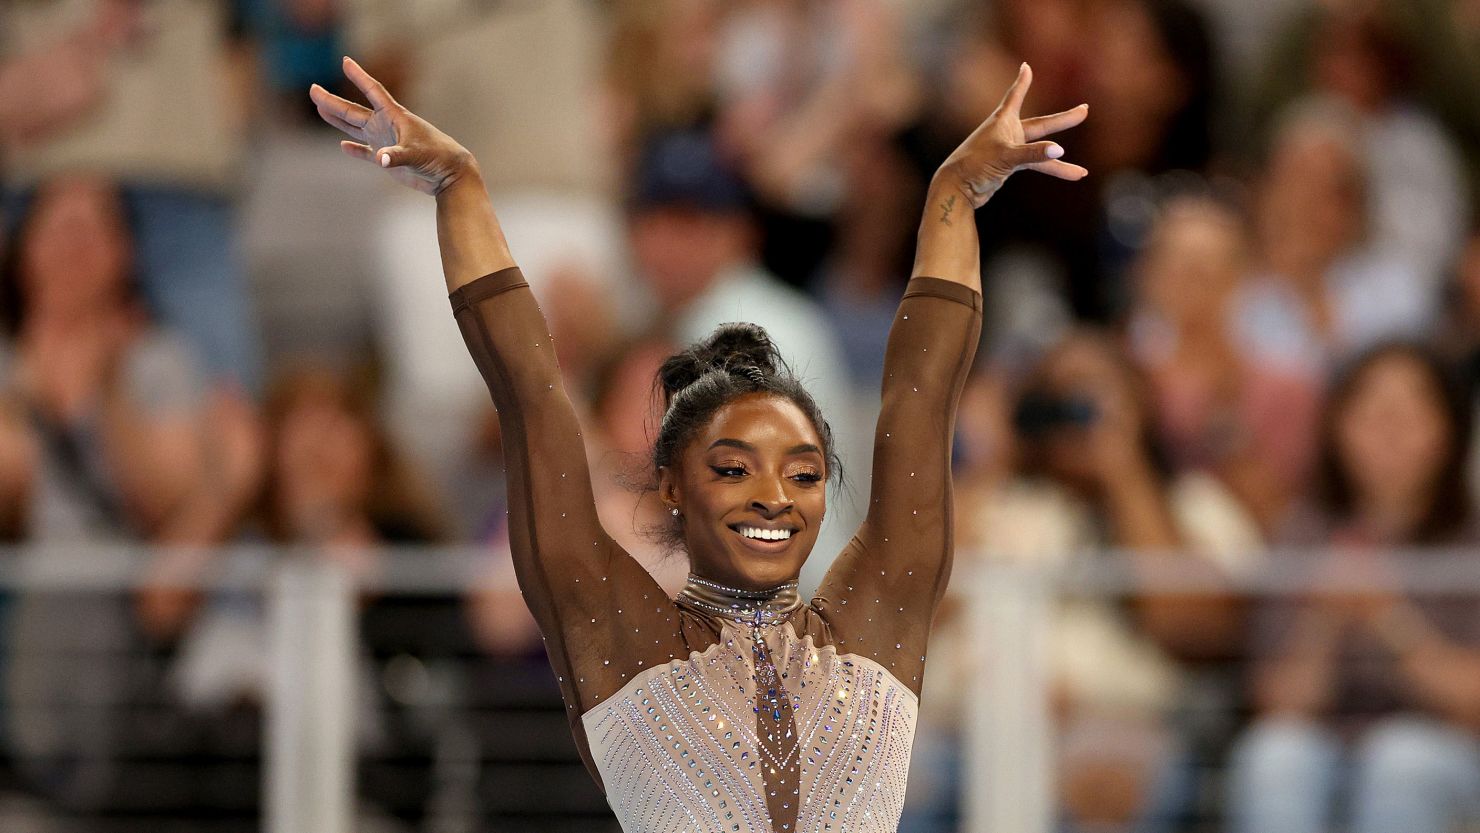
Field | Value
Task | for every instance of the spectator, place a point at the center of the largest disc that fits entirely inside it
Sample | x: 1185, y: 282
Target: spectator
x: 101, y: 69
x: 860, y: 282
x: 113, y: 400
x: 1369, y: 56
x: 1326, y: 289
x: 1375, y: 689
x: 1460, y: 338
x: 337, y: 489
x: 18, y: 456
x: 517, y: 83
x: 1249, y: 424
x: 1146, y: 67
x: 660, y: 69
x: 301, y: 42
x: 110, y: 411
x: 694, y: 245
x: 802, y: 87
x: 1092, y: 481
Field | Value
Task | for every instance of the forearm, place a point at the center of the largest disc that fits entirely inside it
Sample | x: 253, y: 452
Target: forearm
x: 1300, y: 681
x: 1137, y: 506
x: 948, y: 246
x: 468, y: 233
x: 1194, y: 624
x: 1443, y: 675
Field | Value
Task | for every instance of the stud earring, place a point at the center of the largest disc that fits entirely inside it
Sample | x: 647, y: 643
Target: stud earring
x: 674, y: 510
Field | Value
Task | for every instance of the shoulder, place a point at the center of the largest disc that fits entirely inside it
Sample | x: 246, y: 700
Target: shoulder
x: 1272, y: 326
x: 1216, y: 524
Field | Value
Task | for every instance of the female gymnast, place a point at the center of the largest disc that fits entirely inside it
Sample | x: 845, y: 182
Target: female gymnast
x: 736, y: 707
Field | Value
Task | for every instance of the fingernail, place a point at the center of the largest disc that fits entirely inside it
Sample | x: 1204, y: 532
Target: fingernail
x: 385, y: 160
x: 1055, y: 151
x: 1023, y: 66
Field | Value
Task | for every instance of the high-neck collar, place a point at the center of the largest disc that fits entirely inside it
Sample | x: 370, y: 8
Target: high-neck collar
x: 752, y: 607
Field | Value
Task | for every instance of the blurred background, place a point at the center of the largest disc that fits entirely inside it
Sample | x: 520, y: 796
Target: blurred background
x: 1217, y: 548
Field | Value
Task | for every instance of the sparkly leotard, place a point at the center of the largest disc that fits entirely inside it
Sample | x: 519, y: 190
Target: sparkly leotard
x: 728, y: 710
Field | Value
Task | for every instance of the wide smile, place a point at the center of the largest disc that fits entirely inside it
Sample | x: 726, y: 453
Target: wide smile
x: 764, y: 539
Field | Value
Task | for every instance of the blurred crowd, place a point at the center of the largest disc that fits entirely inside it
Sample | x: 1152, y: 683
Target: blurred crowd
x: 1255, y: 327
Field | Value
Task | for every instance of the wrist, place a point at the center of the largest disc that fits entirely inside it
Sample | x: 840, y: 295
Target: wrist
x: 947, y: 181
x: 464, y: 176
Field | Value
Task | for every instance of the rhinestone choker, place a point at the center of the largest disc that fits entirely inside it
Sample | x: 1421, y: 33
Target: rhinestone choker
x: 755, y: 607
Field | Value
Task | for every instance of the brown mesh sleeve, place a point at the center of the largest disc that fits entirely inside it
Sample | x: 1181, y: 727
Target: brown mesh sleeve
x: 880, y: 595
x: 602, y: 616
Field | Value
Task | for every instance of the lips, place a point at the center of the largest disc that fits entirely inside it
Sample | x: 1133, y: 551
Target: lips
x: 764, y: 539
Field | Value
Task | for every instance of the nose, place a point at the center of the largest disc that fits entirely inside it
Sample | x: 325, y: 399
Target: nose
x: 772, y: 501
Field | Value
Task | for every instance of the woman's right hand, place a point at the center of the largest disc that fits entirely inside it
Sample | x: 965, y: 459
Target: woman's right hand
x: 416, y: 154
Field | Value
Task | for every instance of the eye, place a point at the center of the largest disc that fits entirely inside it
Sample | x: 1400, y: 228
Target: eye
x: 729, y: 470
x: 808, y: 476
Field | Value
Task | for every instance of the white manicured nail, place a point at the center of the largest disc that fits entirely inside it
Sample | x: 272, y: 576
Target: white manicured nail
x: 1055, y: 151
x: 385, y: 160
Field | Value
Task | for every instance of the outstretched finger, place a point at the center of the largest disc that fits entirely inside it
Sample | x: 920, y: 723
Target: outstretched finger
x: 343, y: 126
x: 1012, y: 103
x: 1059, y: 168
x: 355, y: 150
x: 1038, y: 127
x: 342, y: 109
x: 374, y: 91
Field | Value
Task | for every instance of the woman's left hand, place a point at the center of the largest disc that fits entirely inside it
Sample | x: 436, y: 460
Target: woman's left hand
x: 1006, y: 143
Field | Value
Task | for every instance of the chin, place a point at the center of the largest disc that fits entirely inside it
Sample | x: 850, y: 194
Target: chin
x: 764, y: 571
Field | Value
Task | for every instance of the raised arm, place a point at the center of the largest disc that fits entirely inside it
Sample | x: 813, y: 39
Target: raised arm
x: 894, y: 571
x: 573, y: 576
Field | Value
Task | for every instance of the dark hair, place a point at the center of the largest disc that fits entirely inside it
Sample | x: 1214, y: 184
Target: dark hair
x: 14, y: 304
x: 734, y: 361
x: 400, y: 505
x: 1183, y: 32
x: 1449, y: 511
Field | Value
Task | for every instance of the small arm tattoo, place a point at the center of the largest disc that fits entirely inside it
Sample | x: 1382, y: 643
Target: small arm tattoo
x: 946, y: 207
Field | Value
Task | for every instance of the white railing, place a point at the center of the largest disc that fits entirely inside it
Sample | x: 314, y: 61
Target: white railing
x: 309, y: 737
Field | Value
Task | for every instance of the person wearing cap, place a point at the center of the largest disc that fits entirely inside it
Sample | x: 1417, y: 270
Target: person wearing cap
x: 695, y: 246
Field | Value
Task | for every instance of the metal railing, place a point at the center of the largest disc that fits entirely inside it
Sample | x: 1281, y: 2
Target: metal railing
x: 485, y: 736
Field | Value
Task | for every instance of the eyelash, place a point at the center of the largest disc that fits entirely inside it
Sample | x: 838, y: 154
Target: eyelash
x: 807, y: 477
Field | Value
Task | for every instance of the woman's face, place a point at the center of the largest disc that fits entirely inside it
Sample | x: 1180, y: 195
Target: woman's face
x: 1131, y: 73
x: 324, y: 455
x: 1311, y: 207
x: 1392, y: 436
x: 1193, y: 263
x: 76, y: 247
x: 752, y: 489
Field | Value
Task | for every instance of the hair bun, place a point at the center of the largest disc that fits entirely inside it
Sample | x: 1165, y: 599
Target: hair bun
x: 740, y: 348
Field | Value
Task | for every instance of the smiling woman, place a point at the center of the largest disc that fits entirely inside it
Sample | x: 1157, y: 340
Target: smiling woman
x: 736, y: 707
x: 741, y: 443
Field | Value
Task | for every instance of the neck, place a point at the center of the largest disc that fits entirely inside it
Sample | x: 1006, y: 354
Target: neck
x: 1395, y: 515
x: 750, y: 606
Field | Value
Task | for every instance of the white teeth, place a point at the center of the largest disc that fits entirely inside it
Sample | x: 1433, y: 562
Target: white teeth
x: 765, y: 534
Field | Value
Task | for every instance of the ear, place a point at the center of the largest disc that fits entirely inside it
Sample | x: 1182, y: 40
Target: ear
x: 668, y: 487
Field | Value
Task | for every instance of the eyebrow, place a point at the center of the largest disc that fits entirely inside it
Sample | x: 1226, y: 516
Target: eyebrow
x: 800, y: 448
